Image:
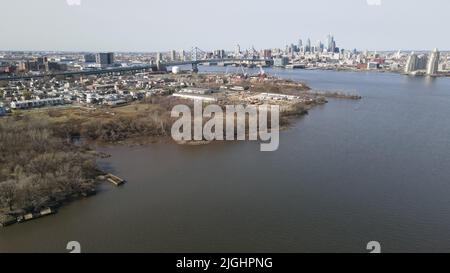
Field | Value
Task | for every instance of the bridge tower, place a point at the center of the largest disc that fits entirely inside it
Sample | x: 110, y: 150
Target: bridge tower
x: 195, y: 67
x: 194, y: 58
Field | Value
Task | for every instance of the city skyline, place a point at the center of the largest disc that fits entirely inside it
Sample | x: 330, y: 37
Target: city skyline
x: 100, y: 25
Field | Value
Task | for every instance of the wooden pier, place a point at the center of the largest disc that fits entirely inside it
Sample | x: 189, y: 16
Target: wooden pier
x: 117, y: 181
x: 113, y: 179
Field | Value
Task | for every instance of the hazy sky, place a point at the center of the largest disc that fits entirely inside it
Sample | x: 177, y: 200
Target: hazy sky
x: 154, y: 25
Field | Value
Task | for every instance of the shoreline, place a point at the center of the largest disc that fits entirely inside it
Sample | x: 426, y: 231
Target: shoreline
x: 20, y: 216
x: 82, y: 127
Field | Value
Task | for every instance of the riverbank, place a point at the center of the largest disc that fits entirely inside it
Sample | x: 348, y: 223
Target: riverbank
x: 45, y: 165
x: 21, y: 215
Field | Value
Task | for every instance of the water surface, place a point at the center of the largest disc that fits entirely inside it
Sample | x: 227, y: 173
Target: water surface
x: 348, y: 173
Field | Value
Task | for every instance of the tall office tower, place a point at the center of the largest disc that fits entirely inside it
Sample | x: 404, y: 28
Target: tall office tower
x: 411, y: 64
x: 292, y: 50
x: 289, y: 49
x: 267, y: 54
x: 237, y: 50
x: 433, y: 63
x: 159, y: 57
x: 173, y: 55
x: 219, y: 54
x: 331, y: 44
x: 300, y: 44
x: 328, y: 42
x: 308, y: 45
x: 319, y: 46
x: 182, y: 55
x: 104, y: 59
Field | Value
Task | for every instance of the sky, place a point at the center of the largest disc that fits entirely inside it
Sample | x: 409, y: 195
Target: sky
x: 162, y: 25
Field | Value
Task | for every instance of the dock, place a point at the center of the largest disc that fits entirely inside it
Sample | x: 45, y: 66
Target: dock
x: 117, y: 181
x: 113, y: 179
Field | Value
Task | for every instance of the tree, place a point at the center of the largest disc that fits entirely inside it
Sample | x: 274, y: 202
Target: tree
x: 8, y: 192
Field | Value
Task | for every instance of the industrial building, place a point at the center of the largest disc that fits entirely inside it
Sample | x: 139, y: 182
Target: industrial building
x: 195, y: 93
x: 281, y: 62
x: 195, y: 90
x: 27, y: 104
x: 373, y: 65
x: 195, y: 96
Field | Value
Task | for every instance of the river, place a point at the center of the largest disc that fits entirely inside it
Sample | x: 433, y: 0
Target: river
x: 348, y: 173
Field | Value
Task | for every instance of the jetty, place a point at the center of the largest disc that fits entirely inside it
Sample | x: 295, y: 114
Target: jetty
x: 115, y: 179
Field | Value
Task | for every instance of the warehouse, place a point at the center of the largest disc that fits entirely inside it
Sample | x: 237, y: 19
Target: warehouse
x: 26, y: 104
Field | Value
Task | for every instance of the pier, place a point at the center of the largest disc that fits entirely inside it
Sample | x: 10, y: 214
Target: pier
x: 113, y: 179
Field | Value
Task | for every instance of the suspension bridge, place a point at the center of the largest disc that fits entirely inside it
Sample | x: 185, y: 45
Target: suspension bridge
x: 195, y: 57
